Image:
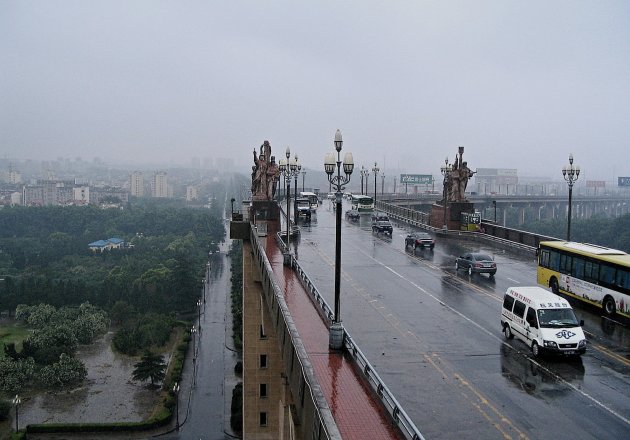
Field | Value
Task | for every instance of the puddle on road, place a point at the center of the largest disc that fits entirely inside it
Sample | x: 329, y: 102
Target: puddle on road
x: 108, y: 395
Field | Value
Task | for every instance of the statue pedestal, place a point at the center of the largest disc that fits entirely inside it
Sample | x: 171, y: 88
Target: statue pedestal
x: 452, y: 220
x: 264, y: 210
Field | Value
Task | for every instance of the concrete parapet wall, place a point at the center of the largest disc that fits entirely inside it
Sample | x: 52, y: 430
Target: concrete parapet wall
x: 312, y: 413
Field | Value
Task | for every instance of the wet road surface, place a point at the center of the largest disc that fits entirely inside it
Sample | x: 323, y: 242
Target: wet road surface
x: 434, y: 337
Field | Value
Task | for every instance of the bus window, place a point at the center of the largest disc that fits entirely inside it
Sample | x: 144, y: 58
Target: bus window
x: 554, y: 260
x: 544, y: 258
x: 607, y: 275
x: 591, y: 271
x: 623, y: 279
x: 565, y: 264
x: 577, y: 269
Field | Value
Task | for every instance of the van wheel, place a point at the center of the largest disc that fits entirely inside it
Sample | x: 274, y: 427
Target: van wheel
x: 508, y: 332
x: 469, y: 270
x: 553, y: 283
x: 535, y: 349
x: 609, y: 306
x: 456, y: 266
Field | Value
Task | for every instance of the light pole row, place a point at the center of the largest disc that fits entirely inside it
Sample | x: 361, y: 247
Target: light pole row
x: 289, y: 168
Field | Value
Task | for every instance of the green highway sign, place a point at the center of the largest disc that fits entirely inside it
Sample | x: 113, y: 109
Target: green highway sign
x: 416, y: 179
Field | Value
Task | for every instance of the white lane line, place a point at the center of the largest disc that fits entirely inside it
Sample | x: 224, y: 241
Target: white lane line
x: 500, y: 339
x: 517, y: 282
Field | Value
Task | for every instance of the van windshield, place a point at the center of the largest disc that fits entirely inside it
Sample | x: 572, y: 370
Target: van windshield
x: 557, y: 318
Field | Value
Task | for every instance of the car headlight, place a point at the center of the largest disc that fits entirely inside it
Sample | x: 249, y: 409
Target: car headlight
x: 582, y: 343
x: 551, y: 344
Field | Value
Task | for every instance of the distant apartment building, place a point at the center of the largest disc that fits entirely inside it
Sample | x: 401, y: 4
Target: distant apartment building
x: 12, y: 176
x: 137, y: 184
x: 56, y: 193
x: 191, y: 193
x: 82, y: 195
x: 159, y: 185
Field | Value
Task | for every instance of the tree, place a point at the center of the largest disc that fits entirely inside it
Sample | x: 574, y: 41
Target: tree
x: 151, y: 366
x: 67, y: 371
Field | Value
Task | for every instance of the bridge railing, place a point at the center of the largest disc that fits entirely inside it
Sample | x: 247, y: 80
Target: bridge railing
x: 513, y: 238
x: 315, y: 416
x: 395, y: 410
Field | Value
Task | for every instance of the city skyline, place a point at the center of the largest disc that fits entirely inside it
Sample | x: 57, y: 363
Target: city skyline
x: 518, y: 85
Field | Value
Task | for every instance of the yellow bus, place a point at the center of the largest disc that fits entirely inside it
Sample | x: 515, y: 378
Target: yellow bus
x: 594, y: 274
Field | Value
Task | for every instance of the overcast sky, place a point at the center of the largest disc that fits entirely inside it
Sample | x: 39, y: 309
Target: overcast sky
x: 520, y: 84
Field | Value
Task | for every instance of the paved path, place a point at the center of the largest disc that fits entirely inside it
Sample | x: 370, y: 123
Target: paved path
x: 357, y: 414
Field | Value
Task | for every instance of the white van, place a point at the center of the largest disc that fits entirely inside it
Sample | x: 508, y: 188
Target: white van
x: 544, y: 321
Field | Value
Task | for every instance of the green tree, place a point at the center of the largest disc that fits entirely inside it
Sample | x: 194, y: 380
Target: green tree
x: 15, y: 374
x: 151, y: 366
x: 67, y: 371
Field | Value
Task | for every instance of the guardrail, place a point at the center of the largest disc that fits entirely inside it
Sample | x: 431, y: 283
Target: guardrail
x: 316, y: 418
x: 394, y: 409
x: 513, y: 238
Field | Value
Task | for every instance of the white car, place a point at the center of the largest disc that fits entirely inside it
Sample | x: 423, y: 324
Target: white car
x: 331, y: 196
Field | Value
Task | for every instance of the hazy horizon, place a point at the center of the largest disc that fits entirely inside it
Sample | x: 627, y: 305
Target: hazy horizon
x: 519, y: 85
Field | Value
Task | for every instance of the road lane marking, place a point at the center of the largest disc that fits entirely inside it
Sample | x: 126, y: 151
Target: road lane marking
x: 511, y: 279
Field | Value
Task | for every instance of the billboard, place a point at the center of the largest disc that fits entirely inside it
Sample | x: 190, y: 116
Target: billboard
x: 416, y: 179
x: 595, y: 184
x: 623, y: 181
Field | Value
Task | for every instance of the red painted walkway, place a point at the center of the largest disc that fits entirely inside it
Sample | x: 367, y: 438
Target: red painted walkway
x: 357, y: 414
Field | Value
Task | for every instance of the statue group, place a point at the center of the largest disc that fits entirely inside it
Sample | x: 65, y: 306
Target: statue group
x: 456, y: 179
x: 265, y: 174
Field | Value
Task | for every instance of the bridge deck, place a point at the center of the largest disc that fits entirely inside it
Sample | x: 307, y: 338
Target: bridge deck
x: 357, y: 413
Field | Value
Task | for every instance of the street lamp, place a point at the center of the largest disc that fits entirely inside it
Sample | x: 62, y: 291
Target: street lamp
x: 193, y: 331
x: 445, y: 169
x: 295, y: 170
x: 570, y: 174
x: 364, y: 174
x: 204, y: 289
x: 176, y: 392
x: 335, y: 341
x: 199, y: 302
x: 16, y: 401
x: 289, y: 168
x: 303, y: 177
x: 382, y: 184
x: 375, y: 170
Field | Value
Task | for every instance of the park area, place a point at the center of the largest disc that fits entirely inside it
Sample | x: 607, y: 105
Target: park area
x: 108, y: 394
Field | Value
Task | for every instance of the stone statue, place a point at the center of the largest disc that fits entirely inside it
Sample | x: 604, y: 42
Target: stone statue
x: 273, y: 175
x: 457, y: 178
x: 264, y: 173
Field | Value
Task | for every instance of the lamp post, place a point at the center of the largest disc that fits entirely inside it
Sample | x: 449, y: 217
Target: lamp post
x: 364, y: 175
x: 295, y: 170
x: 303, y: 177
x: 199, y: 303
x: 232, y: 202
x: 204, y: 290
x: 570, y: 174
x: 176, y: 392
x: 193, y: 331
x: 335, y: 340
x: 375, y: 170
x: 445, y: 169
x: 382, y: 184
x: 16, y: 401
x: 288, y: 168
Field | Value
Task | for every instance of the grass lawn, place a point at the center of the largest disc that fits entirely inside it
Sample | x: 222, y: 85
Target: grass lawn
x: 12, y: 333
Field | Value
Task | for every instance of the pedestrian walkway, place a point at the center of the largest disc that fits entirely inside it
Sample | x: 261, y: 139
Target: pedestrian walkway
x: 357, y: 413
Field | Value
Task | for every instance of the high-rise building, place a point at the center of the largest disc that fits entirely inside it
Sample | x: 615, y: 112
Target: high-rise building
x: 137, y: 184
x: 159, y: 185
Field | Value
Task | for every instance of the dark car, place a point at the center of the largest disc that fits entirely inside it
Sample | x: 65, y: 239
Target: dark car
x: 380, y: 216
x: 419, y: 240
x: 476, y: 262
x: 382, y: 227
x: 353, y: 215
